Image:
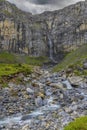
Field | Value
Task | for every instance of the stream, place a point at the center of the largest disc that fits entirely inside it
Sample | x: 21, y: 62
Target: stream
x: 56, y: 103
x: 20, y: 119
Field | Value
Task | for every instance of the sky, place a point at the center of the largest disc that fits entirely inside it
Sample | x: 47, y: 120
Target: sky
x: 39, y: 6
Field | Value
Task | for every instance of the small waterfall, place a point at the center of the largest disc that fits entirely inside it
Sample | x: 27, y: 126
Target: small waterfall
x: 51, y: 49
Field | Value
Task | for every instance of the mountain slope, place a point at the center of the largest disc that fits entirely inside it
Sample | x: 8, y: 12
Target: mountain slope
x: 47, y: 34
x: 74, y: 62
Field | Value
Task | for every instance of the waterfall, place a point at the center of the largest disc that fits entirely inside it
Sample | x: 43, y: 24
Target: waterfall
x: 50, y: 48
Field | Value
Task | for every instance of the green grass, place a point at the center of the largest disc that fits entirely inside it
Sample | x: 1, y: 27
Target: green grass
x: 10, y: 58
x: 10, y: 69
x: 74, y: 58
x: 6, y: 57
x: 36, y: 60
x: 11, y: 64
x: 78, y: 124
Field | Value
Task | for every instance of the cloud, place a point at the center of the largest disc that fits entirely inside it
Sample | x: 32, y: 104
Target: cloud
x: 39, y: 6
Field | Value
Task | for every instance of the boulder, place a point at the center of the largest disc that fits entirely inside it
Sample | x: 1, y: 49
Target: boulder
x: 67, y: 84
x: 30, y: 91
x: 85, y: 65
x: 57, y: 85
x: 25, y: 127
x: 75, y: 80
x: 38, y: 101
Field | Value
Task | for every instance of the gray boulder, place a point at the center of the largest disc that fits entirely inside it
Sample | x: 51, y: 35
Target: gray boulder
x: 38, y: 101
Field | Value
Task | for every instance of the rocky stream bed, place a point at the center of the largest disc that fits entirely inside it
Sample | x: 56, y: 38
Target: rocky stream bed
x: 45, y: 101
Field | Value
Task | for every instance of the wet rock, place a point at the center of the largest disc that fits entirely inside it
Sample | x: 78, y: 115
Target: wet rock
x: 48, y: 92
x: 57, y: 85
x: 61, y: 96
x: 10, y: 84
x: 35, y: 83
x: 26, y: 117
x: 26, y: 127
x: 68, y: 110
x: 67, y: 84
x: 75, y: 80
x: 40, y: 94
x: 27, y: 79
x: 85, y: 65
x: 30, y: 91
x: 38, y: 101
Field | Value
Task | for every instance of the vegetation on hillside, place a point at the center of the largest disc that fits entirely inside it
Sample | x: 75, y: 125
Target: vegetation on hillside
x: 11, y: 64
x: 78, y: 124
x: 73, y: 60
x: 11, y: 58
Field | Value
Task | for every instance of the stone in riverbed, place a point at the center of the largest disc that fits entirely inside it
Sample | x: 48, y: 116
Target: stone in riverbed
x: 38, y: 101
x: 30, y: 91
x: 40, y: 94
x: 35, y: 83
x: 26, y: 117
x: 67, y: 84
x: 25, y: 127
x: 75, y: 80
x: 57, y: 85
x: 68, y: 110
x: 85, y: 65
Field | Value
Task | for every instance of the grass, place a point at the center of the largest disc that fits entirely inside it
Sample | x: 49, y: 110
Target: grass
x: 74, y: 58
x: 11, y: 64
x: 36, y: 60
x: 8, y: 71
x: 11, y: 58
x: 78, y: 124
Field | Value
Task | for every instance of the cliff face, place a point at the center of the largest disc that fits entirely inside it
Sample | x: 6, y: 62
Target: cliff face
x: 46, y: 34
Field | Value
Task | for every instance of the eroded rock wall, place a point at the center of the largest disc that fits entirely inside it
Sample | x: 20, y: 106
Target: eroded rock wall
x: 22, y: 32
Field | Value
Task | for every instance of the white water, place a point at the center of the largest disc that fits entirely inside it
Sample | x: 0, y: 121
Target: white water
x: 14, y: 119
x: 19, y: 119
x: 50, y: 48
x: 67, y: 83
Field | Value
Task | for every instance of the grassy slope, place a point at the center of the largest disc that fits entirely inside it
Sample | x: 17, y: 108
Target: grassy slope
x: 8, y: 69
x: 13, y: 63
x: 74, y: 58
x: 78, y: 124
x: 9, y: 58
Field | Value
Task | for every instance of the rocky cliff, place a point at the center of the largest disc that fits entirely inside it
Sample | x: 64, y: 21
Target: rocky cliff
x: 45, y: 34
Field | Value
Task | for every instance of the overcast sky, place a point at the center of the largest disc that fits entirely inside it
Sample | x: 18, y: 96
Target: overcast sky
x: 38, y: 6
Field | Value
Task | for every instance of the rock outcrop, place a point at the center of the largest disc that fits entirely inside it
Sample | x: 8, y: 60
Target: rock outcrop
x: 46, y: 34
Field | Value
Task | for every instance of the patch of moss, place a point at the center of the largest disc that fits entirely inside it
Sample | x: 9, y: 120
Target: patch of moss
x: 10, y: 69
x: 78, y: 124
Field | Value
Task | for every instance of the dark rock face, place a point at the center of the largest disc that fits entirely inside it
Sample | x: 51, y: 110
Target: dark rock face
x: 48, y: 34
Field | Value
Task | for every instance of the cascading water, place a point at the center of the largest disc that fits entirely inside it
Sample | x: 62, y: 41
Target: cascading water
x: 51, y: 49
x: 21, y: 120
